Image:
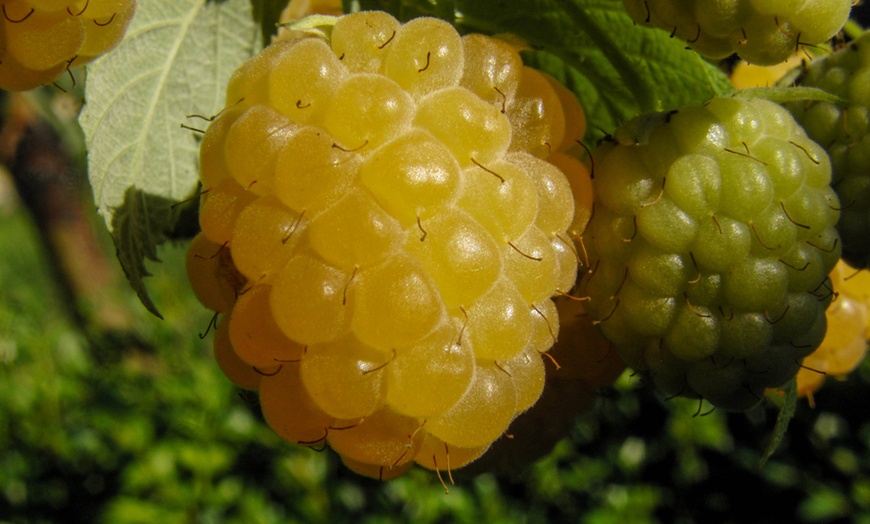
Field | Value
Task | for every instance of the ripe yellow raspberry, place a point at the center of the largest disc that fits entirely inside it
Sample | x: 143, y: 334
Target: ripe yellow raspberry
x: 387, y: 195
x: 845, y: 343
x: 40, y: 39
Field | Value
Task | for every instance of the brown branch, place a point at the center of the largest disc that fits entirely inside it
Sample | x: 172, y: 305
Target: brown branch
x: 56, y: 195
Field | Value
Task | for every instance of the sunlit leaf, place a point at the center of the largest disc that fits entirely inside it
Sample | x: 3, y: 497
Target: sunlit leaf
x: 175, y: 61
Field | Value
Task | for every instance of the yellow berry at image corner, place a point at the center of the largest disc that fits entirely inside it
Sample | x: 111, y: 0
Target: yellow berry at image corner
x: 44, y: 40
x: 402, y: 204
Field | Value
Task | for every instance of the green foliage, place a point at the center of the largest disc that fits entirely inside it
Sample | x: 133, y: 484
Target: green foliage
x: 266, y: 14
x: 139, y: 225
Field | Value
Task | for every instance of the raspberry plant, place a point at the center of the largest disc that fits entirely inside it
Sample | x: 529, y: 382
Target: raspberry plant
x: 390, y: 205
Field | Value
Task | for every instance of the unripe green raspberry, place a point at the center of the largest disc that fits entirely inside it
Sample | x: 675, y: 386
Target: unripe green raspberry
x: 763, y: 32
x: 844, y: 131
x: 710, y: 244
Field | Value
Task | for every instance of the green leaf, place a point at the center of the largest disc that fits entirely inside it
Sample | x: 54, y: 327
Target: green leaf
x: 616, y: 68
x: 175, y: 60
x: 786, y: 413
x: 139, y: 225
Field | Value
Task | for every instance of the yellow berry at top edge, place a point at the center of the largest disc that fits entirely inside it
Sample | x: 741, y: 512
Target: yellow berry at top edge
x: 104, y: 32
x: 43, y: 38
x: 51, y: 5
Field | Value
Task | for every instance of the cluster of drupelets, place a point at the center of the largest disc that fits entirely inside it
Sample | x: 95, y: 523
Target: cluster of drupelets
x: 711, y: 244
x: 844, y: 131
x: 762, y: 32
x: 588, y: 368
x: 42, y: 39
x: 385, y: 218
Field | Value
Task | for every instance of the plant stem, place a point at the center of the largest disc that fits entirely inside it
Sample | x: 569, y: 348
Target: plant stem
x: 54, y: 193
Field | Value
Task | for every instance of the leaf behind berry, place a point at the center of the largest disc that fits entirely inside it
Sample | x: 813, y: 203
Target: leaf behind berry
x: 175, y: 60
